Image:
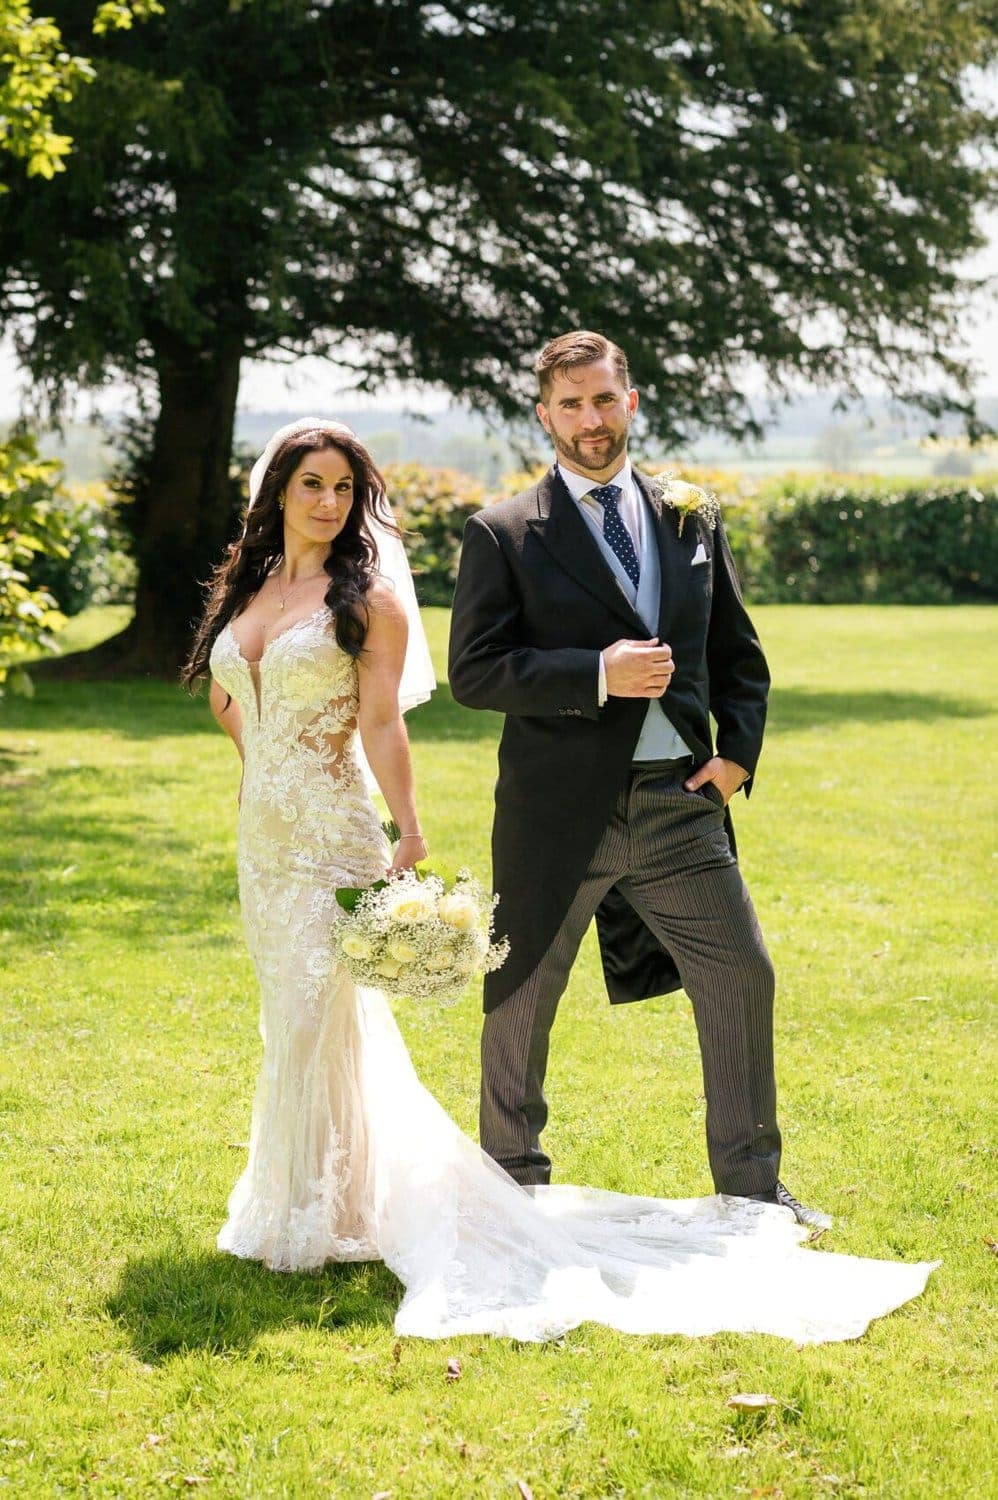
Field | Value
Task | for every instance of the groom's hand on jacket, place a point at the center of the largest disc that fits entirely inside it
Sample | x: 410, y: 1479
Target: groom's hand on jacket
x: 638, y: 669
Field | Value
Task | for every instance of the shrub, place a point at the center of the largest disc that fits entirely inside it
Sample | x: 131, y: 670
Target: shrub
x: 96, y: 566
x: 31, y: 529
x: 432, y: 506
x: 852, y: 543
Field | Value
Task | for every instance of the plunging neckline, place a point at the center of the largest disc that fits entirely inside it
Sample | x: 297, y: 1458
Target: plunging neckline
x: 253, y: 664
x: 255, y: 661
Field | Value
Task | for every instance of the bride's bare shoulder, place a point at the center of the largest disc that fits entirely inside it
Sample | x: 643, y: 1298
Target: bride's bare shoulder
x: 384, y: 605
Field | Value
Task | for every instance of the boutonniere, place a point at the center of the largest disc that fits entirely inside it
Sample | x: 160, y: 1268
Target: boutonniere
x: 686, y: 499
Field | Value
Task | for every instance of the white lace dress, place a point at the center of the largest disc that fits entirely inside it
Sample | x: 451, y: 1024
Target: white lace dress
x: 351, y: 1159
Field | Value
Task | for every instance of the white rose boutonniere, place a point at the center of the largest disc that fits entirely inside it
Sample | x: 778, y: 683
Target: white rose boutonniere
x: 686, y: 499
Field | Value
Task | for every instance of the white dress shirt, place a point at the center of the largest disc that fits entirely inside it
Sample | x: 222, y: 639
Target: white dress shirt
x: 631, y: 513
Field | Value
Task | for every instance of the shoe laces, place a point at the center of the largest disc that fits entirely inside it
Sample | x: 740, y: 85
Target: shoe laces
x: 801, y: 1212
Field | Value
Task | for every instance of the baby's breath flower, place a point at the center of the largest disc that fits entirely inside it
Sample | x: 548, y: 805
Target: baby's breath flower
x: 411, y: 936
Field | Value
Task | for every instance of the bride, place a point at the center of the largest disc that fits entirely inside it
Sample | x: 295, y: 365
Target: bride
x: 314, y: 647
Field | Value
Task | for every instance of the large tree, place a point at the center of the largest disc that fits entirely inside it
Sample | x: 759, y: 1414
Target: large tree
x: 427, y: 190
x: 35, y: 70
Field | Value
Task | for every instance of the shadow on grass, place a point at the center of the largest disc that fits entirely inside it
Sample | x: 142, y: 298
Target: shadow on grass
x: 136, y: 710
x: 790, y: 708
x: 148, y: 710
x: 802, y: 708
x: 148, y: 878
x: 15, y: 764
x: 171, y: 1303
x: 145, y: 710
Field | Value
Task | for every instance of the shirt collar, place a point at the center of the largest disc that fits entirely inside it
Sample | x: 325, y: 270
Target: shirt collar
x: 579, y: 485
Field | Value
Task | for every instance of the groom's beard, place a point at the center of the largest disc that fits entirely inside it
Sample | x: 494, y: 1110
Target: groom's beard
x: 589, y: 458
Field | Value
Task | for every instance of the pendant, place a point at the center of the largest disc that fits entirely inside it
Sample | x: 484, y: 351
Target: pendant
x: 281, y: 606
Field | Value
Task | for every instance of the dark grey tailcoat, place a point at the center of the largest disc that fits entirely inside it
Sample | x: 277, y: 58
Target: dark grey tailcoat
x: 535, y: 604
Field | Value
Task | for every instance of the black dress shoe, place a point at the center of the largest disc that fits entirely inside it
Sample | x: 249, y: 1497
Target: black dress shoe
x: 812, y: 1217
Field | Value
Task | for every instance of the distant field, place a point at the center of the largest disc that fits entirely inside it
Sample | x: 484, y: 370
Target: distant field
x: 808, y: 436
x: 136, y: 1360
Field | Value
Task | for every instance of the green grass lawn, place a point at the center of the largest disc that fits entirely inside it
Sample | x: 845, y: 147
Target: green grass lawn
x: 136, y: 1360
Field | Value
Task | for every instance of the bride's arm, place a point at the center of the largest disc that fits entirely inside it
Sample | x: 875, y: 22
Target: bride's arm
x: 382, y: 732
x: 230, y: 717
x: 227, y: 713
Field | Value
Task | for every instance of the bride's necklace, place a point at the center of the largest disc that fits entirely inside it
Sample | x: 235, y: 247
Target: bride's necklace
x: 285, y: 595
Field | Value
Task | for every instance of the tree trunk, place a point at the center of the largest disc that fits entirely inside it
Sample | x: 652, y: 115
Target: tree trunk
x: 183, y: 511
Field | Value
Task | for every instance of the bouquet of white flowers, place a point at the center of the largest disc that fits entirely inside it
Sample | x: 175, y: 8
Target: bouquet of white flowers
x: 411, y: 935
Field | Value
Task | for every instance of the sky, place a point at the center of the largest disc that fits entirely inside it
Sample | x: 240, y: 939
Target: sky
x: 312, y: 385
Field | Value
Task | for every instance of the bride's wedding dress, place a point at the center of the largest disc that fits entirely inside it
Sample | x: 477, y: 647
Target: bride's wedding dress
x: 350, y: 1157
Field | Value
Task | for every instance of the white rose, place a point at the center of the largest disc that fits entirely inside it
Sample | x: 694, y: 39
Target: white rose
x: 458, y: 911
x: 388, y: 968
x: 355, y: 946
x: 403, y: 951
x: 442, y: 959
x: 411, y: 906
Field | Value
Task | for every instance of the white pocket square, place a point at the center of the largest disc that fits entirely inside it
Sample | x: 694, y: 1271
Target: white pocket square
x: 699, y: 556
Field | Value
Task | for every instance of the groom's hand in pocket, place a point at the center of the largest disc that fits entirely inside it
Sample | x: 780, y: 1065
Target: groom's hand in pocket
x: 638, y: 669
x: 726, y: 775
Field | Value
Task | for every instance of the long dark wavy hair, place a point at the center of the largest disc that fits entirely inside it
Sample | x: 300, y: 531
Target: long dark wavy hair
x: 260, y: 549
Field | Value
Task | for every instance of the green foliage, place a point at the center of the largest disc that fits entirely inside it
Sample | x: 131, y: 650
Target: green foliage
x: 427, y: 192
x: 95, y: 565
x: 432, y: 506
x: 283, y: 175
x: 37, y: 75
x: 852, y: 543
x: 112, y: 16
x: 32, y: 528
x: 136, y: 1360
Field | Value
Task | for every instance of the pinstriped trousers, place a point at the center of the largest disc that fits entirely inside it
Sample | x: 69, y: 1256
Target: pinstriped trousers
x: 668, y: 852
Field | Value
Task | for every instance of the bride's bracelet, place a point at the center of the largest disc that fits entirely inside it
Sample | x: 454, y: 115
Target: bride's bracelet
x: 411, y: 836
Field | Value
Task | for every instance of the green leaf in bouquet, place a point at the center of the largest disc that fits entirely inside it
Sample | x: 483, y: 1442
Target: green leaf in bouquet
x: 391, y: 830
x: 348, y: 895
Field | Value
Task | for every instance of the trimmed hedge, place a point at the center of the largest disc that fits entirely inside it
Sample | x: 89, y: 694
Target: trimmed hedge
x: 797, y: 539
x: 864, y: 544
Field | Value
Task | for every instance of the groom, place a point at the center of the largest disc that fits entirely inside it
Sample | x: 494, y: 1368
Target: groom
x: 605, y: 625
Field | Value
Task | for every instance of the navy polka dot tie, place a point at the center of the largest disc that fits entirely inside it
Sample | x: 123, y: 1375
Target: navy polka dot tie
x: 614, y: 530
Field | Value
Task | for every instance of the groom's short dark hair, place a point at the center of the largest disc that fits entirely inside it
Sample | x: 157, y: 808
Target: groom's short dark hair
x: 578, y: 348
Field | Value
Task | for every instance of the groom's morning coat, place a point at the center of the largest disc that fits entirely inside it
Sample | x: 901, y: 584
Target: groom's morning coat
x: 535, y: 605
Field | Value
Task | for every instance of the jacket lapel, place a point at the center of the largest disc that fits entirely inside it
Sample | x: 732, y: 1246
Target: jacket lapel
x: 672, y: 558
x: 560, y: 528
